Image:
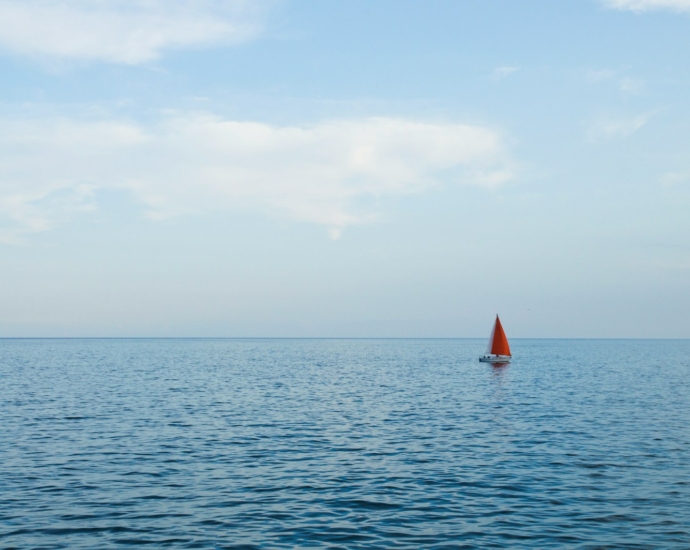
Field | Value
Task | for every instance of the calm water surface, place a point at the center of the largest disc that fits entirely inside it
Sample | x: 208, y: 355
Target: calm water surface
x: 343, y: 444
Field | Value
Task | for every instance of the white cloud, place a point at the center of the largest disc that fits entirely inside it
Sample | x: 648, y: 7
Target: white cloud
x: 122, y: 31
x: 648, y: 5
x: 334, y: 173
x: 609, y: 128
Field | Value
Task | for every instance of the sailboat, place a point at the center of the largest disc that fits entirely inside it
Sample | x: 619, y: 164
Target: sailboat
x: 498, y: 350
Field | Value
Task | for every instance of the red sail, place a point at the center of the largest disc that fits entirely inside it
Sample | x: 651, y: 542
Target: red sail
x: 499, y: 346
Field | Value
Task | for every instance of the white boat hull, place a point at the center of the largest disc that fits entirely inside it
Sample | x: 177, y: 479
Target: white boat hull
x: 495, y: 359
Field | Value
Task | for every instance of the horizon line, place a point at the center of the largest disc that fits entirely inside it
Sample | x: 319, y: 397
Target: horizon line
x: 331, y: 338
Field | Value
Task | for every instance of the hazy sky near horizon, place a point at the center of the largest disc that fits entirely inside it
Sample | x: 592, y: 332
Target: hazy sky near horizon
x: 366, y: 168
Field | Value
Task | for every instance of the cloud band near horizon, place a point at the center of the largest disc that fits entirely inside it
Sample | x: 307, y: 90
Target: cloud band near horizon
x: 336, y: 173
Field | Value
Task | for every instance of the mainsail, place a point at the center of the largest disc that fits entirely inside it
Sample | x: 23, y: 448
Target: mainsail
x: 498, y: 343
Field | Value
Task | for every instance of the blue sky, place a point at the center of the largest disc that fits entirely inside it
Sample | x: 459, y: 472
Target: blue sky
x: 302, y: 168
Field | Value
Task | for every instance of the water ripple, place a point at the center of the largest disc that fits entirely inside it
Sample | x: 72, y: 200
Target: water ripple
x: 343, y: 444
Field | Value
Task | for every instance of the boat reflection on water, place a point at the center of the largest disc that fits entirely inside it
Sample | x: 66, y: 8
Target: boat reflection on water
x: 499, y: 371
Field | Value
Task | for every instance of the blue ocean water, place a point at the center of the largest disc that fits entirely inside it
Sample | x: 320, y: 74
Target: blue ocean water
x: 343, y: 444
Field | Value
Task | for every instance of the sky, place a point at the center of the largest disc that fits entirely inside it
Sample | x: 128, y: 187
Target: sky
x: 388, y: 168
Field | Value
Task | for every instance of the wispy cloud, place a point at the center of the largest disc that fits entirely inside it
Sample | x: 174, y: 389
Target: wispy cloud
x: 609, y: 128
x: 648, y: 5
x: 631, y: 85
x: 600, y: 75
x: 335, y: 173
x: 674, y: 178
x: 625, y: 84
x: 122, y: 31
x: 502, y: 72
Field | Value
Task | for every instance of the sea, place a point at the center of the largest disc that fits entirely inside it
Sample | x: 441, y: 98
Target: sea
x: 343, y: 444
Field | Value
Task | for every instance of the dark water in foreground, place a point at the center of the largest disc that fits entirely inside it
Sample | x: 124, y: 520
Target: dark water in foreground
x: 343, y: 444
